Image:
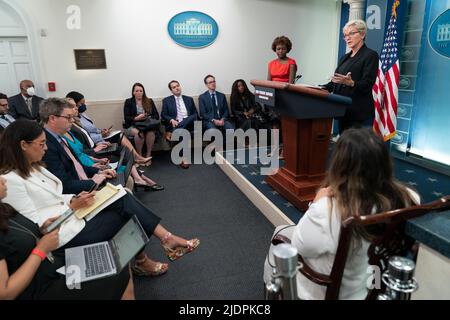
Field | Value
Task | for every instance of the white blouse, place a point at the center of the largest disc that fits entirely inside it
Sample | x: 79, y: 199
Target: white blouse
x: 316, y: 237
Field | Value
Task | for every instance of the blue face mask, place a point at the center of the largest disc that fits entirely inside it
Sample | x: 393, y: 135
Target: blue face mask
x: 82, y: 108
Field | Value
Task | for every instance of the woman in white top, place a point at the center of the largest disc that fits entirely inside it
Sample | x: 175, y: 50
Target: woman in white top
x: 360, y: 181
x: 37, y: 194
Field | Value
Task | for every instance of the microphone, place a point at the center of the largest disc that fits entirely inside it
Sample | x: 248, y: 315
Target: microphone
x: 297, y: 78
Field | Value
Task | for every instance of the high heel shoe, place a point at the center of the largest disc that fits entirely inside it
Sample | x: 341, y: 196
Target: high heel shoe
x: 177, y: 252
x: 145, y: 162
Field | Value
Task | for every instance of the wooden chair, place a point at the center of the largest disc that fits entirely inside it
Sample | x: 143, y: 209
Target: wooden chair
x: 389, y: 241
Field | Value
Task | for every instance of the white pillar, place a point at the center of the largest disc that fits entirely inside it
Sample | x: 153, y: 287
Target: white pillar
x: 356, y: 9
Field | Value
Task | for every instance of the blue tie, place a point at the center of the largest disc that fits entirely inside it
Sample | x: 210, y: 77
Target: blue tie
x: 213, y: 101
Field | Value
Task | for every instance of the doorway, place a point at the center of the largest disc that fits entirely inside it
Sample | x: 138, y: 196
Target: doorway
x: 15, y: 64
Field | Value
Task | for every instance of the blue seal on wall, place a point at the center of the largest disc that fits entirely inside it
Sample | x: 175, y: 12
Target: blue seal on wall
x: 193, y: 29
x: 439, y: 34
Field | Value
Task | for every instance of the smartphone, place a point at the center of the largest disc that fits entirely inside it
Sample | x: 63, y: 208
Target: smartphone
x: 60, y: 220
x: 93, y: 188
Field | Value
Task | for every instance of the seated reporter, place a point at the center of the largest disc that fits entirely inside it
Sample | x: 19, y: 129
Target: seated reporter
x: 359, y: 181
x: 214, y: 107
x: 5, y: 117
x: 97, y: 135
x: 139, y: 108
x: 178, y: 111
x: 37, y: 194
x: 140, y: 179
x: 244, y: 107
x: 26, y: 273
x: 89, y: 146
x: 102, y: 163
x: 57, y: 116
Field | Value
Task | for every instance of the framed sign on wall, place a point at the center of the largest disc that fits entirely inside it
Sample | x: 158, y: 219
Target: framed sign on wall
x: 193, y: 29
x: 88, y: 59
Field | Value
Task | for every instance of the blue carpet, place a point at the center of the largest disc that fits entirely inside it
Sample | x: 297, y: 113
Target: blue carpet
x: 430, y: 185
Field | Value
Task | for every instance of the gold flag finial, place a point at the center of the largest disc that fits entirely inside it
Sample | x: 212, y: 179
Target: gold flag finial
x: 394, y: 8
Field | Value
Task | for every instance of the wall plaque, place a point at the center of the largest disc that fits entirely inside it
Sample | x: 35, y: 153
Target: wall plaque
x: 193, y: 29
x: 87, y: 59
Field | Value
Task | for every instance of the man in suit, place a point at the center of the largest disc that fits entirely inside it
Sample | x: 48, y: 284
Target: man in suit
x: 58, y: 116
x: 5, y: 118
x: 25, y: 104
x: 214, y: 107
x: 178, y: 111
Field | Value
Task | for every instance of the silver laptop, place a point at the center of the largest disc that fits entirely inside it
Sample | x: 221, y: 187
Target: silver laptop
x: 122, y: 176
x: 102, y: 259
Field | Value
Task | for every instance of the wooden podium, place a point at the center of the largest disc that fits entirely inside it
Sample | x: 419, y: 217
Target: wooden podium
x: 306, y: 116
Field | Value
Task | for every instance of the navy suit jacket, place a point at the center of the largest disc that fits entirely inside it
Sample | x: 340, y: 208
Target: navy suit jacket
x: 169, y: 108
x: 60, y: 164
x: 207, y: 108
x: 19, y: 110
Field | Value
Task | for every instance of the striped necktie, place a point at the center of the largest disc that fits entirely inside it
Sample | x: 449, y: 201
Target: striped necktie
x: 78, y: 167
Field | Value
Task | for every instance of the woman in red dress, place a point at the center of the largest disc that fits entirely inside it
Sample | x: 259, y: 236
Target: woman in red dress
x: 282, y: 69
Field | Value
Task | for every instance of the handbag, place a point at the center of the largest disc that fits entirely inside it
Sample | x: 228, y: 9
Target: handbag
x: 148, y: 124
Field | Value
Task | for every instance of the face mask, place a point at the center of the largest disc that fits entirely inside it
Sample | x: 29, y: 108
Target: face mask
x: 30, y: 91
x: 82, y: 108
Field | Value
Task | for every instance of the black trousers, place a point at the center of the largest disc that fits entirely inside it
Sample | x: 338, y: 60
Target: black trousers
x: 110, y: 288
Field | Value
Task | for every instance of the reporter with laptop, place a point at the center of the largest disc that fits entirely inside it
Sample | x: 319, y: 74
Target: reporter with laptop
x: 98, y: 135
x: 140, y: 180
x: 27, y: 273
x: 37, y: 194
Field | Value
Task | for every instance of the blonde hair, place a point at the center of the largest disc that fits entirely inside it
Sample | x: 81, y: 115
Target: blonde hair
x: 360, y: 25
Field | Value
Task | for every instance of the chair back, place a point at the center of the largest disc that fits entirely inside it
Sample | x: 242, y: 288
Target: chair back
x: 389, y: 240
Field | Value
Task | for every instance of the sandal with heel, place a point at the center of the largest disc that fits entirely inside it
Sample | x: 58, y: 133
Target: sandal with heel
x: 159, y: 269
x: 179, y: 251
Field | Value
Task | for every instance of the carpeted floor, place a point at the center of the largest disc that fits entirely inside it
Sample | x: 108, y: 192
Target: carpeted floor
x: 202, y: 202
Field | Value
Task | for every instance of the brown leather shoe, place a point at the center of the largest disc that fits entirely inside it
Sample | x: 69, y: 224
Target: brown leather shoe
x: 168, y: 136
x: 184, y: 165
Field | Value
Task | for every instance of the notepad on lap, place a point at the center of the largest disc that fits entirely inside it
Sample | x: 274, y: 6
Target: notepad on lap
x: 101, y: 197
x: 112, y: 134
x: 117, y: 196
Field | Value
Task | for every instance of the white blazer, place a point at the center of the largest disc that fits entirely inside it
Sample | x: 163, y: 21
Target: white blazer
x: 39, y: 200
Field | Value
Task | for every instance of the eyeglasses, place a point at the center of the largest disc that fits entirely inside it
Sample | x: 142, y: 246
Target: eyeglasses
x: 41, y: 144
x: 3, y: 104
x: 350, y: 34
x: 209, y: 82
x: 69, y: 118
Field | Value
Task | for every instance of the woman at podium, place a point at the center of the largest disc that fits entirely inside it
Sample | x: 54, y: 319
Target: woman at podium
x: 355, y: 76
x: 282, y: 69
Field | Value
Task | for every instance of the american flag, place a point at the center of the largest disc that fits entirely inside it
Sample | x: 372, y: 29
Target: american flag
x: 385, y: 90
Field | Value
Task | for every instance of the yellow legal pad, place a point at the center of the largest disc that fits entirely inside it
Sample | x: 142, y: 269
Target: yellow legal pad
x: 100, y: 197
